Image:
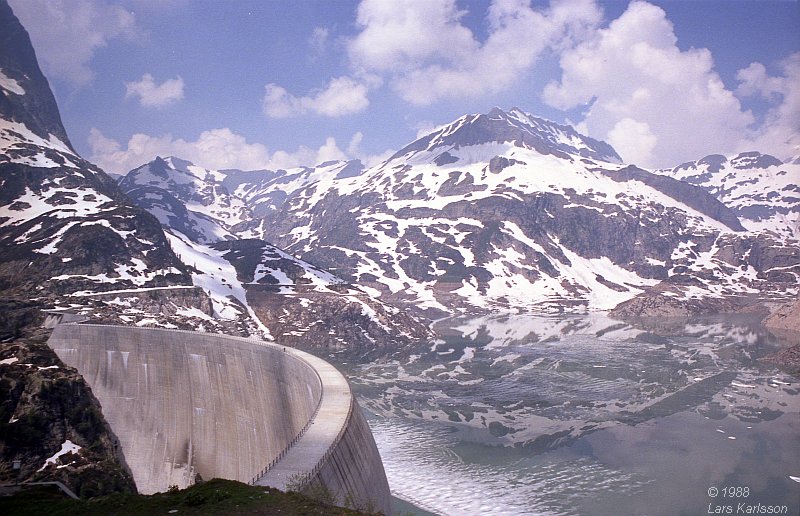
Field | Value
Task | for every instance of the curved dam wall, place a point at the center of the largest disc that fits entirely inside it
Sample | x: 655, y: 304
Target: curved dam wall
x: 349, y: 466
x: 184, y: 404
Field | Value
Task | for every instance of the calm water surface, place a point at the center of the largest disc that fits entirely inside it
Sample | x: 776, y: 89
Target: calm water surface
x: 585, y: 415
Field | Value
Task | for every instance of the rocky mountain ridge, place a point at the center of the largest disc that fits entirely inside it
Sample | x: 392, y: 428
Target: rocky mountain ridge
x: 72, y: 239
x: 212, y: 205
x: 499, y: 127
x: 65, y: 226
x: 762, y: 190
x: 509, y: 211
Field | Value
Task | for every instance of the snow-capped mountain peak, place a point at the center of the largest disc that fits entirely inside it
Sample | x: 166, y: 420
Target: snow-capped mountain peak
x: 513, y: 128
x: 506, y: 210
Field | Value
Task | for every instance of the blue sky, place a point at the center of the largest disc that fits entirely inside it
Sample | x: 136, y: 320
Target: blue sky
x: 269, y: 84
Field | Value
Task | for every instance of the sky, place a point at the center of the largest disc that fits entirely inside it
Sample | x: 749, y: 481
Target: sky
x: 279, y: 83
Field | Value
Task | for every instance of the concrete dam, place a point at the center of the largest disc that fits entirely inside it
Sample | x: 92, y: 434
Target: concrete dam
x: 184, y: 404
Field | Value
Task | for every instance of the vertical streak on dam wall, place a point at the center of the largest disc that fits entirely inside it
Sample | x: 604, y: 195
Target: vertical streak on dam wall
x: 184, y: 403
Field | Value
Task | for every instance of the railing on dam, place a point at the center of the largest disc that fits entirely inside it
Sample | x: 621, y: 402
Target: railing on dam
x: 294, y: 441
x: 303, y: 459
x: 307, y: 477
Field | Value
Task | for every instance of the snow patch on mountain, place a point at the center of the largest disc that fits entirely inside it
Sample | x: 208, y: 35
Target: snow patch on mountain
x: 762, y: 190
x: 218, y: 278
x: 10, y: 85
x: 18, y: 144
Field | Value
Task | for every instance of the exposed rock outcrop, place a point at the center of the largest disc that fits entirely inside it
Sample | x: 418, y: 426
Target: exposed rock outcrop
x: 786, y: 317
x: 49, y: 419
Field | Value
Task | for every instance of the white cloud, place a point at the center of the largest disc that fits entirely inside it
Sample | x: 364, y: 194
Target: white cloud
x: 662, y: 105
x: 369, y: 160
x: 319, y: 40
x: 214, y: 149
x: 405, y: 33
x: 779, y: 133
x: 67, y: 33
x: 754, y: 80
x: 342, y: 96
x: 217, y: 148
x: 155, y: 95
x: 355, y: 143
x: 428, y: 54
x: 304, y: 156
x: 633, y: 139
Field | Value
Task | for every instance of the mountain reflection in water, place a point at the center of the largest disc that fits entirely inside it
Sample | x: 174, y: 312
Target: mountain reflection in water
x: 583, y: 415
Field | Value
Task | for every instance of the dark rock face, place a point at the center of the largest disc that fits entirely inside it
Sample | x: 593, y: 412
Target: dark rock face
x: 44, y: 404
x: 445, y: 158
x: 37, y: 108
x: 353, y: 168
x: 747, y: 160
x: 714, y: 162
x: 64, y: 224
x: 692, y: 196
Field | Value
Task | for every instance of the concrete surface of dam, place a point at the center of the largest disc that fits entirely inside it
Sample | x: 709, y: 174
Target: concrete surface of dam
x: 184, y: 404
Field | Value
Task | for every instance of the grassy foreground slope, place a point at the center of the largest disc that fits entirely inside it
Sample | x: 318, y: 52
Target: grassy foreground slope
x: 216, y: 496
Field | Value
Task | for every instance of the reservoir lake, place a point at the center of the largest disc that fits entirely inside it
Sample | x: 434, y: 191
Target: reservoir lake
x: 523, y: 414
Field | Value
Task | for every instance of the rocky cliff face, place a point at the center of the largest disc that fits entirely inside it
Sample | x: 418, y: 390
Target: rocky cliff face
x: 49, y: 419
x: 65, y: 226
x: 305, y: 306
x: 26, y: 97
